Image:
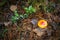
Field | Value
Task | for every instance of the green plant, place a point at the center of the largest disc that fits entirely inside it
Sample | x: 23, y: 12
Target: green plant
x: 30, y: 10
x: 16, y: 16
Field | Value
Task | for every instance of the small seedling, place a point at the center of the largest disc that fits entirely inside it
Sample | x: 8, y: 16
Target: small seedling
x: 15, y: 17
x: 30, y: 10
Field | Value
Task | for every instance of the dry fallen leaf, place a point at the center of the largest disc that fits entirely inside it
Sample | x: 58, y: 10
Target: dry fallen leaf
x: 39, y: 31
x: 7, y: 23
x: 13, y: 7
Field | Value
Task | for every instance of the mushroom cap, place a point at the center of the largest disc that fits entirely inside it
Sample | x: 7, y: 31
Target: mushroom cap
x: 42, y: 23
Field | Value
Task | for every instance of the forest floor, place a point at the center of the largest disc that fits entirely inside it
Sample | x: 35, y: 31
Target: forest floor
x: 27, y: 29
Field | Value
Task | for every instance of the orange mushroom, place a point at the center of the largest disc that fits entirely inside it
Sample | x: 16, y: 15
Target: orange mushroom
x: 42, y: 23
